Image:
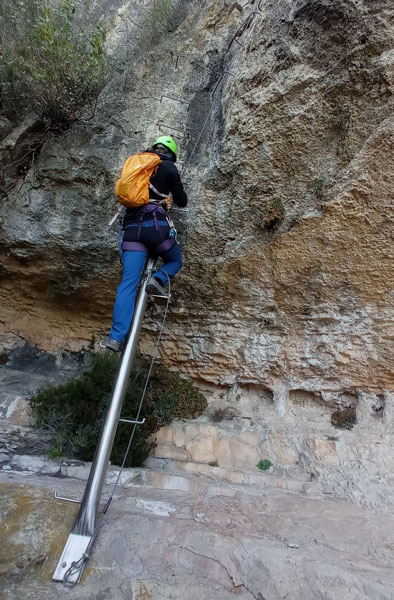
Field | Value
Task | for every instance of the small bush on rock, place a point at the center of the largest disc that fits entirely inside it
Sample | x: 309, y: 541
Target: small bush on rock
x: 344, y: 418
x: 264, y: 465
x: 48, y: 63
x: 75, y: 411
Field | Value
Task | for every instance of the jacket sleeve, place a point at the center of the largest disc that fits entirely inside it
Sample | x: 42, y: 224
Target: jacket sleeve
x: 176, y: 187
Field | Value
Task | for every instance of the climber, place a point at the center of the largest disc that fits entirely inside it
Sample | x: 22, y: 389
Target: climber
x: 147, y: 230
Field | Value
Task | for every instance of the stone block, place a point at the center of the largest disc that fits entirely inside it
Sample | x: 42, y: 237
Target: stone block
x: 324, y: 451
x: 234, y: 452
x: 171, y: 434
x: 165, y: 434
x: 76, y: 472
x: 36, y: 464
x: 281, y: 451
x: 247, y: 437
x: 18, y: 411
x: 203, y: 449
x: 169, y: 451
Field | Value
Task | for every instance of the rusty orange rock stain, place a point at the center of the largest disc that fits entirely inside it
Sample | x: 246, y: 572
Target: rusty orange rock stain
x: 143, y: 593
x: 34, y: 529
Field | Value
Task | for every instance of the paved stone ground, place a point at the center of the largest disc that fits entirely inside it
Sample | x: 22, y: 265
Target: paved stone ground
x: 201, y: 520
x: 190, y: 537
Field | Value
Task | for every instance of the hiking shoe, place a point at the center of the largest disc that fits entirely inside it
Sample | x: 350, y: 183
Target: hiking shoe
x: 153, y: 287
x: 113, y: 345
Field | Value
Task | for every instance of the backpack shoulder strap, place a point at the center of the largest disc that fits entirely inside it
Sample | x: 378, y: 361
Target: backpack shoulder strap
x: 152, y: 187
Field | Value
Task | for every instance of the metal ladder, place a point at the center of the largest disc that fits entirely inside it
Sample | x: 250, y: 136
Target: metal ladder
x: 76, y: 551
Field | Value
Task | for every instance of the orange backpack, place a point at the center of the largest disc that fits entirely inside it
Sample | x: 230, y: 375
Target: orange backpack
x: 132, y: 187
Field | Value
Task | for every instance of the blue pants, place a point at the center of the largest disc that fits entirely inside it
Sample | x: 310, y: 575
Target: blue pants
x: 133, y: 264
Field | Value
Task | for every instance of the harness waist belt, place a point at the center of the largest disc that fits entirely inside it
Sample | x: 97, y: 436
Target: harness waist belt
x: 135, y: 246
x: 138, y: 247
x: 153, y: 206
x: 166, y: 245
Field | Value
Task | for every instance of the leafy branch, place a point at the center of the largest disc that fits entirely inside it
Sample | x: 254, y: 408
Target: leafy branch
x: 48, y: 63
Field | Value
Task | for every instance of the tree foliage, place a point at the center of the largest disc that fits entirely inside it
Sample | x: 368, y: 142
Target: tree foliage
x: 49, y: 63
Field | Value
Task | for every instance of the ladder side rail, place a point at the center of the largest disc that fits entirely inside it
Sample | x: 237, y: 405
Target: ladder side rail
x: 86, y: 520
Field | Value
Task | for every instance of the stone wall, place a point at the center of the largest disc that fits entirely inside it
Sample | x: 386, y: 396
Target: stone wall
x: 287, y: 282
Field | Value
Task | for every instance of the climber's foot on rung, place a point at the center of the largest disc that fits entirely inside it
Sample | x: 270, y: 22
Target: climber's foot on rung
x: 154, y: 289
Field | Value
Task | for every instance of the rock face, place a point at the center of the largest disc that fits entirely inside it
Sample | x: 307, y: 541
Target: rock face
x: 287, y: 277
x: 283, y: 112
x: 164, y: 542
x: 282, y: 313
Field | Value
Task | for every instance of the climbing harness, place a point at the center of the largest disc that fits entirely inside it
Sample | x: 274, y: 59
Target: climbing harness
x: 154, y: 207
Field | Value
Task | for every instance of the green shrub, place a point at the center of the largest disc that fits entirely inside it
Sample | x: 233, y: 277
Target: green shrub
x: 264, y: 465
x: 49, y: 64
x: 75, y: 411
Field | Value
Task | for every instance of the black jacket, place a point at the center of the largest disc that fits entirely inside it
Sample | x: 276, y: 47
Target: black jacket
x: 166, y: 180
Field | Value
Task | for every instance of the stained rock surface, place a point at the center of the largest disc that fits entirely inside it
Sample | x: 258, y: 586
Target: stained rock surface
x: 161, y: 541
x: 286, y: 143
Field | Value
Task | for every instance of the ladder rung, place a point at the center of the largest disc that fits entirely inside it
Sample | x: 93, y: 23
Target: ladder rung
x: 158, y: 296
x: 66, y: 499
x: 130, y: 421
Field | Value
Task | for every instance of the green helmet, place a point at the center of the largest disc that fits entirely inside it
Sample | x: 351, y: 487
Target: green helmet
x: 169, y: 143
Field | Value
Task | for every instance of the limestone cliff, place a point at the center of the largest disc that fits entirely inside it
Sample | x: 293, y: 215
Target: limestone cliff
x: 283, y: 311
x: 283, y: 113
